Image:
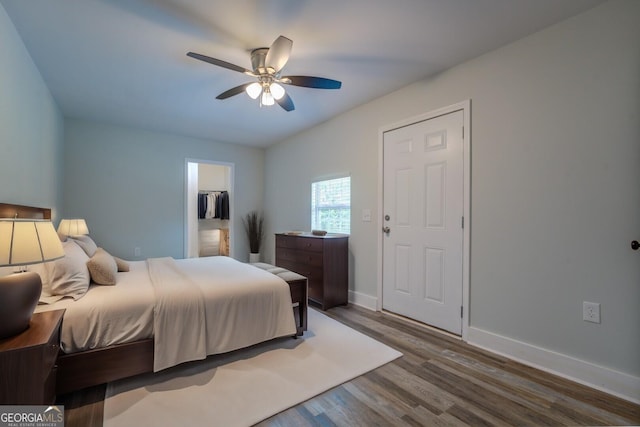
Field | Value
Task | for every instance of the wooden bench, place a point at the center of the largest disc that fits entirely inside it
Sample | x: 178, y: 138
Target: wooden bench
x: 299, y: 293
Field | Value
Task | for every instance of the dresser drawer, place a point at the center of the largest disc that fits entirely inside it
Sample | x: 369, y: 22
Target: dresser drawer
x: 286, y: 241
x: 310, y: 244
x: 308, y: 271
x: 299, y: 257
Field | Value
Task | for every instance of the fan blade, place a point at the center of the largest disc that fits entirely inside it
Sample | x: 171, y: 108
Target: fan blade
x: 312, y: 82
x: 233, y: 91
x: 278, y: 54
x: 286, y: 102
x: 220, y: 63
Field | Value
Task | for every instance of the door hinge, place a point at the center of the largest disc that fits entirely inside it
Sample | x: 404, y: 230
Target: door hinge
x: 461, y: 312
x: 462, y: 222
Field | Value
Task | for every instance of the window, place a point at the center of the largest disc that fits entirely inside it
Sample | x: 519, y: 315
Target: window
x: 331, y: 205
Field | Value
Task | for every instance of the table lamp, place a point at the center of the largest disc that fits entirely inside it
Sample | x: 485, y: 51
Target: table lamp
x: 23, y: 242
x: 73, y: 227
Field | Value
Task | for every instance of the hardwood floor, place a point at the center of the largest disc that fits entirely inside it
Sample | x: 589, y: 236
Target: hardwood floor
x: 439, y: 381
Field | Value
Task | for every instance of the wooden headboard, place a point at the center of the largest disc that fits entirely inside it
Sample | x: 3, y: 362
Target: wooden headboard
x: 19, y: 211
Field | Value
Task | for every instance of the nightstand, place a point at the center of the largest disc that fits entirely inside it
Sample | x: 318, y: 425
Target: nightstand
x: 28, y: 362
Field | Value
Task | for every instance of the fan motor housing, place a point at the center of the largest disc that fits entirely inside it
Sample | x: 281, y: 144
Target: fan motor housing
x: 258, y: 57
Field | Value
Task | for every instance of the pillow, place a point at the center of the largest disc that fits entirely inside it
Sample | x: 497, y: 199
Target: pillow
x: 5, y: 271
x: 103, y: 268
x: 122, y: 264
x: 67, y: 276
x: 87, y: 244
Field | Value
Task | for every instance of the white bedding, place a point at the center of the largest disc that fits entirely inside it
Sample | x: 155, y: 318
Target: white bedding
x: 242, y: 305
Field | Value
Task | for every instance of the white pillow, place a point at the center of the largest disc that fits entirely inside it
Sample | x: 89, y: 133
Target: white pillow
x: 122, y: 264
x: 67, y: 276
x: 102, y: 268
x: 87, y: 244
x: 46, y: 297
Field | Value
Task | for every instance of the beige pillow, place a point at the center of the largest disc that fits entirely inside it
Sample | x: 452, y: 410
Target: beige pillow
x: 122, y: 264
x: 5, y: 271
x: 103, y: 268
x: 87, y: 244
x: 67, y: 276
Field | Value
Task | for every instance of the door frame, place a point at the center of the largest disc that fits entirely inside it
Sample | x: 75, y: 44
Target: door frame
x: 465, y: 107
x: 190, y: 203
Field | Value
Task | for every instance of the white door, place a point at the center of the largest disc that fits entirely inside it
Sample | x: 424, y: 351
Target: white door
x: 423, y: 206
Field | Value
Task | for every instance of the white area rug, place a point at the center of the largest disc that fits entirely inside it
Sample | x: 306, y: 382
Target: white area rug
x: 247, y: 386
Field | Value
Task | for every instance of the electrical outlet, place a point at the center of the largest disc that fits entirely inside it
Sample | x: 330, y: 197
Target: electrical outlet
x: 591, y: 312
x: 136, y: 251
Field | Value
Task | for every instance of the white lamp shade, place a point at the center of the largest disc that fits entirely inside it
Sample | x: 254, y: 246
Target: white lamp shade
x: 73, y: 227
x: 267, y: 98
x: 254, y: 90
x: 24, y: 242
x: 277, y: 90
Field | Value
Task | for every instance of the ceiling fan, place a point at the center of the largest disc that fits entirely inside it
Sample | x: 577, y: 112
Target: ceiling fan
x: 267, y: 63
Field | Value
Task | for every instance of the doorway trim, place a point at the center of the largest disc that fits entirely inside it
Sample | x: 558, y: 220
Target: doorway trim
x: 189, y: 206
x: 465, y: 107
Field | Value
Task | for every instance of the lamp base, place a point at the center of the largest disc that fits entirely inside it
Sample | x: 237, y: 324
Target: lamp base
x: 19, y: 295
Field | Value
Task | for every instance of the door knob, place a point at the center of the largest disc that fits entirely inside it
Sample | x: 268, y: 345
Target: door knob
x: 635, y: 245
x: 386, y: 230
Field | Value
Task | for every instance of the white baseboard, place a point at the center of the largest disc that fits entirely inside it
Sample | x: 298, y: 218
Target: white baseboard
x: 608, y: 380
x: 363, y: 300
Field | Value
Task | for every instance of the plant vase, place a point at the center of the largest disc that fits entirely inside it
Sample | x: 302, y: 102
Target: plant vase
x: 253, y: 225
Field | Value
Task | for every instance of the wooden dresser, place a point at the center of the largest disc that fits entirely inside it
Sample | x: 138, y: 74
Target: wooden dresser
x: 28, y: 362
x: 323, y: 260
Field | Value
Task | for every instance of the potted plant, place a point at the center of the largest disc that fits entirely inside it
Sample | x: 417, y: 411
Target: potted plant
x: 253, y: 225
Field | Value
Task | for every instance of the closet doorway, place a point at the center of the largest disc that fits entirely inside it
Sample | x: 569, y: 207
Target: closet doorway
x: 209, y: 208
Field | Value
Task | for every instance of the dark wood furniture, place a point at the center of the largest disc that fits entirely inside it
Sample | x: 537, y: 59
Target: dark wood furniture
x: 323, y: 260
x: 299, y: 292
x: 299, y: 298
x: 103, y: 365
x: 8, y: 210
x: 28, y: 362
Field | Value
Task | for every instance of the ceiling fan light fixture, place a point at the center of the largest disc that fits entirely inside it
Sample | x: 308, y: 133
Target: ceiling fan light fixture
x: 276, y: 90
x: 267, y: 98
x: 267, y: 64
x: 254, y: 90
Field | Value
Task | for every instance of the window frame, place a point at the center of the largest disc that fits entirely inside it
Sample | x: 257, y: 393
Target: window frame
x: 314, y: 205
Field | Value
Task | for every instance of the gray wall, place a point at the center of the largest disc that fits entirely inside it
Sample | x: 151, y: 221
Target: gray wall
x: 31, y: 128
x: 555, y: 175
x: 129, y: 185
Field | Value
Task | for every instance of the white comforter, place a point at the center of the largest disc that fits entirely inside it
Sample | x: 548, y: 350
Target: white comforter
x: 192, y: 307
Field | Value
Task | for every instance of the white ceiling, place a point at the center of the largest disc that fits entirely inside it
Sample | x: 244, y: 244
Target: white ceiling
x: 124, y: 61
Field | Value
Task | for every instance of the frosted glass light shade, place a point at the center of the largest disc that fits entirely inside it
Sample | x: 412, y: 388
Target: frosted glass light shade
x: 24, y: 242
x: 73, y: 227
x: 267, y: 98
x: 277, y: 91
x: 254, y: 90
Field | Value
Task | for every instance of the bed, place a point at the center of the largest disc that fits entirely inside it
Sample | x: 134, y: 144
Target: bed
x: 163, y: 312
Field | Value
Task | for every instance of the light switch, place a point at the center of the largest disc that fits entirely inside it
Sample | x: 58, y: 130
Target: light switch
x: 366, y: 215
